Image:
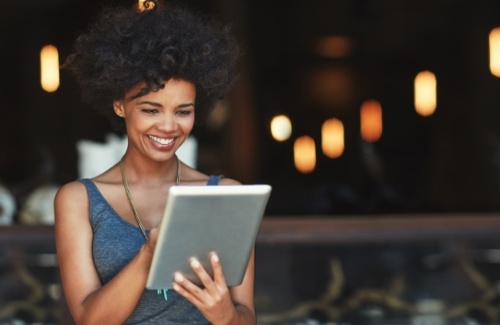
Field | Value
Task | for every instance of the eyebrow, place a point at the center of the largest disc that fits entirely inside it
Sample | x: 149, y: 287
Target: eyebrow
x: 151, y: 103
x: 160, y: 105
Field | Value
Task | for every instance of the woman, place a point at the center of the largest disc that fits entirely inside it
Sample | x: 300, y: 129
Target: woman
x: 150, y: 69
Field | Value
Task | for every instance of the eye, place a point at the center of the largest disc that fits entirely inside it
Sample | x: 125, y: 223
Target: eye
x: 150, y: 111
x: 185, y: 112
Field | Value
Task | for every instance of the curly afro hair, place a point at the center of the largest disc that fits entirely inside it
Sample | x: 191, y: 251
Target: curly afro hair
x: 126, y: 46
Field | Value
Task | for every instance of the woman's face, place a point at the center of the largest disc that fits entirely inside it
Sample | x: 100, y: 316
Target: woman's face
x: 159, y: 122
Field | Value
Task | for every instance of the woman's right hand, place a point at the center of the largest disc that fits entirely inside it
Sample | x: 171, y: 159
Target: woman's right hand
x: 153, y: 237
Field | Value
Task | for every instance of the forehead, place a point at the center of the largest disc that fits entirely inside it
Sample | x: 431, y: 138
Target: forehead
x: 172, y: 89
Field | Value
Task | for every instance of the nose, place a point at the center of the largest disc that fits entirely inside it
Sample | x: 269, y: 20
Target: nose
x: 167, y: 123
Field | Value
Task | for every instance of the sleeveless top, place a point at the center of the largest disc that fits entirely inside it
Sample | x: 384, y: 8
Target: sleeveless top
x: 115, y: 243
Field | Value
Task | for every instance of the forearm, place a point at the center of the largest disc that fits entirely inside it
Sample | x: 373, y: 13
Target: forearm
x: 242, y: 316
x: 114, y: 302
x: 246, y: 316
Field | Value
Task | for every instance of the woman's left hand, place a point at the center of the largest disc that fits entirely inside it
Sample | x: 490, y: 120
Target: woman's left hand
x: 214, y: 299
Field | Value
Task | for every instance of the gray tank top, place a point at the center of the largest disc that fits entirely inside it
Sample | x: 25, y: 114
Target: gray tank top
x: 115, y: 243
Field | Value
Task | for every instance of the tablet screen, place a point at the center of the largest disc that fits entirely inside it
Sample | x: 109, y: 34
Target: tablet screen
x: 200, y: 219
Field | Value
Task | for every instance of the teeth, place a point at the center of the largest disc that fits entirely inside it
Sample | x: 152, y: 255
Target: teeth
x: 161, y: 140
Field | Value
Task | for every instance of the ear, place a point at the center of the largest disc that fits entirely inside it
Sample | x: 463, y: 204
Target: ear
x: 119, y: 108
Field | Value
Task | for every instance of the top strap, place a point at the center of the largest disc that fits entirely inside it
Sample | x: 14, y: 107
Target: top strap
x: 214, y: 179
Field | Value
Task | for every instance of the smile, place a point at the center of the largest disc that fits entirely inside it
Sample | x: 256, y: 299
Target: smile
x: 161, y: 141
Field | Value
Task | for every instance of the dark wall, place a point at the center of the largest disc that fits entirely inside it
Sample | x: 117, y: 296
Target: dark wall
x: 447, y: 162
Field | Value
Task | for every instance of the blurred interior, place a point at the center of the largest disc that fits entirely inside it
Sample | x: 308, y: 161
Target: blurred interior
x: 395, y: 227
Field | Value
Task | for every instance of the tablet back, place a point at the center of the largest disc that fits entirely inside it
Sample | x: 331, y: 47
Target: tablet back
x: 201, y: 219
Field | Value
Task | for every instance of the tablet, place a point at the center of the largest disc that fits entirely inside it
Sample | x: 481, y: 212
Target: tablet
x: 201, y: 219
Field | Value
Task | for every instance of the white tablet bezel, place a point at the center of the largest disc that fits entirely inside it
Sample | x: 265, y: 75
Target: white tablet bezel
x: 201, y: 219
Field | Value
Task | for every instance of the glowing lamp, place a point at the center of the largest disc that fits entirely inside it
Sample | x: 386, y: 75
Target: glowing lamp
x: 332, y: 138
x: 425, y: 93
x: 281, y: 128
x: 371, y: 120
x: 494, y: 39
x: 49, y: 68
x: 304, y: 153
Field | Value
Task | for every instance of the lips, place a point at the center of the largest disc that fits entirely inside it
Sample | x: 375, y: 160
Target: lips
x: 161, y: 141
x: 162, y: 144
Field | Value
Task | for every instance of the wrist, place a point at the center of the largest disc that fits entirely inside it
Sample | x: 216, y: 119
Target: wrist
x: 239, y: 315
x: 146, y: 252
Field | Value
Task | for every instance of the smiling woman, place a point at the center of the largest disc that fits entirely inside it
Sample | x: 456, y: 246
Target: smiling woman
x: 159, y: 122
x: 148, y: 69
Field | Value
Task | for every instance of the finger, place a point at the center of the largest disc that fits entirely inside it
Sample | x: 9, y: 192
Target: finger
x: 186, y: 294
x: 219, y: 277
x: 153, y: 233
x: 152, y: 238
x: 203, y: 275
x: 188, y: 289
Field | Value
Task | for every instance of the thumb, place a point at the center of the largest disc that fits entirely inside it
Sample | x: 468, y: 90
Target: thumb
x: 153, y: 236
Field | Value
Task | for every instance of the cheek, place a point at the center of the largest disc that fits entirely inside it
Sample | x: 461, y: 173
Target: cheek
x: 137, y: 123
x: 188, y: 125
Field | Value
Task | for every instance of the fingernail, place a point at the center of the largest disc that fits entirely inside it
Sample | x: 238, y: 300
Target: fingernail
x: 195, y: 263
x: 178, y: 277
x: 215, y: 258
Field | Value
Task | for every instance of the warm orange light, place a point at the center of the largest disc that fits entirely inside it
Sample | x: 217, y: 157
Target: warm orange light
x: 425, y: 93
x: 281, y: 128
x: 304, y: 154
x: 334, y: 46
x: 49, y: 68
x: 371, y: 120
x: 332, y: 138
x: 495, y: 51
x: 142, y: 7
x: 331, y: 87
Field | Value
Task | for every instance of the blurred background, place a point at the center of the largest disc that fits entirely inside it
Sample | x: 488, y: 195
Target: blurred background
x: 351, y: 109
x: 311, y: 62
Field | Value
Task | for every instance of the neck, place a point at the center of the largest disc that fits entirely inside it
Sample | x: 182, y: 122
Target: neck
x: 152, y: 173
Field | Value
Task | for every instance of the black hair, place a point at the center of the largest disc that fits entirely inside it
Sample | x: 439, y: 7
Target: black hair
x: 125, y: 46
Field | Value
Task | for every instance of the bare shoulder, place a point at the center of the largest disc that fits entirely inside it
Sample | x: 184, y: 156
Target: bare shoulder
x: 228, y: 181
x: 74, y: 190
x: 70, y: 199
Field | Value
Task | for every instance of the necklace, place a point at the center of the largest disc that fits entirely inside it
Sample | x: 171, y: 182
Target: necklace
x: 125, y: 184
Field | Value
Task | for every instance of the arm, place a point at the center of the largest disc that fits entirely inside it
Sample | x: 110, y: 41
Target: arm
x: 243, y: 295
x: 89, y: 301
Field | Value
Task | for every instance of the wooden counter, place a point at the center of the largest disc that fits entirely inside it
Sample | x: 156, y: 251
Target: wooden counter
x: 328, y: 229
x: 357, y: 229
